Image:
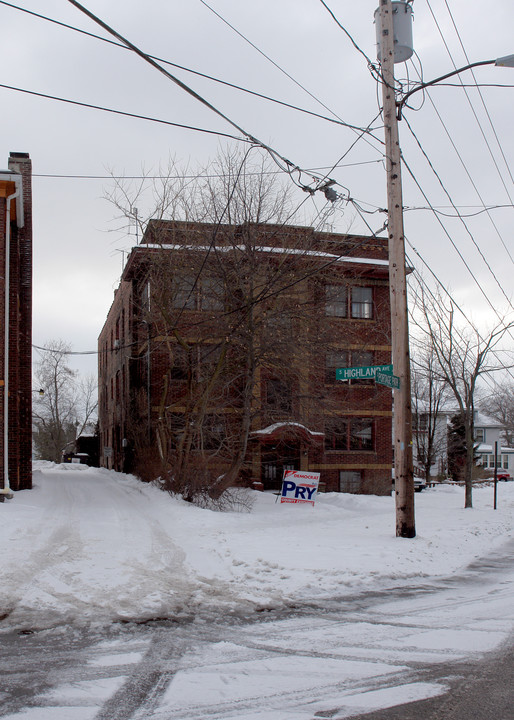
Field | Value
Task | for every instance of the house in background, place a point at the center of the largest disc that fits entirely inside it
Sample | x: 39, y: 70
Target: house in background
x: 423, y: 424
x: 488, y: 432
x: 332, y: 311
x: 16, y: 324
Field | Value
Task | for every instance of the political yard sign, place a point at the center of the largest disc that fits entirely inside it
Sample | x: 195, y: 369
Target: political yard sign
x: 299, y: 487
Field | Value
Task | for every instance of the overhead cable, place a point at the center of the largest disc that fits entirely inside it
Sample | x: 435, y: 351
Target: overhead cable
x: 335, y: 120
x: 475, y: 243
x: 289, y: 168
x: 487, y: 298
x: 121, y: 112
x: 77, y: 176
x: 480, y: 95
x: 360, y: 50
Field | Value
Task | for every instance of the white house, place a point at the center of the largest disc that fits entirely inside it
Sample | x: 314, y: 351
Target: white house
x: 488, y: 432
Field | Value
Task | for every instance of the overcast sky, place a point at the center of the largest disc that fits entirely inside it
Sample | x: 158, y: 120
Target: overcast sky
x: 77, y: 252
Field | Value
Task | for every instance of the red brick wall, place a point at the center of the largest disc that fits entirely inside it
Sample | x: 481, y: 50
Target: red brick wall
x: 371, y: 401
x: 20, y: 332
x: 115, y: 351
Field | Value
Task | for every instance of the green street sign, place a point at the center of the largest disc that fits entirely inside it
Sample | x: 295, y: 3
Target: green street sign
x: 363, y: 373
x: 391, y: 381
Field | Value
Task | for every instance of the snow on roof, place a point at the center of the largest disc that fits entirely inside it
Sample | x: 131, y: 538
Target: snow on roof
x: 276, y: 426
x: 274, y: 250
x: 486, y: 421
x: 485, y: 448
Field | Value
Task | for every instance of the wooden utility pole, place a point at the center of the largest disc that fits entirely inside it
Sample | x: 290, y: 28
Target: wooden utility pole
x: 403, y: 462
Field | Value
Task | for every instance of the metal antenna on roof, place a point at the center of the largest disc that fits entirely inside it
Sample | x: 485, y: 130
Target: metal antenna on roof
x: 137, y: 227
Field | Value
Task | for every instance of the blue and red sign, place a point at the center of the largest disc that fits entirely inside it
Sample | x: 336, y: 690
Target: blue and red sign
x: 299, y: 487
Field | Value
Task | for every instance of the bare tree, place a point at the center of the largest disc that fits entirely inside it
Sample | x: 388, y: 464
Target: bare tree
x: 429, y: 393
x: 500, y: 406
x: 462, y: 356
x: 223, y: 368
x: 253, y: 287
x: 67, y: 405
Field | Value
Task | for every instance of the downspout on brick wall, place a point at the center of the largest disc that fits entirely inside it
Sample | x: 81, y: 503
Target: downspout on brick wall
x: 18, y: 195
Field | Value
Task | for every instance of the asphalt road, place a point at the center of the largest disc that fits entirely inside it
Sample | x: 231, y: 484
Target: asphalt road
x: 376, y: 649
x: 482, y: 690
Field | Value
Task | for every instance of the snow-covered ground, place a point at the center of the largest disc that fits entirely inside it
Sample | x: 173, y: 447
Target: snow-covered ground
x: 361, y: 620
x: 92, y: 546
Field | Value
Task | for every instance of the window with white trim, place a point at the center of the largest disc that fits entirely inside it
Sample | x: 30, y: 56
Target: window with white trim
x: 362, y: 302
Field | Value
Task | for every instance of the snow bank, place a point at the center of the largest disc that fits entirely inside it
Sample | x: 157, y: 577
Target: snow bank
x: 92, y: 546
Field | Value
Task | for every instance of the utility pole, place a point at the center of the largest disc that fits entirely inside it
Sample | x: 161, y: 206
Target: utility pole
x: 403, y: 462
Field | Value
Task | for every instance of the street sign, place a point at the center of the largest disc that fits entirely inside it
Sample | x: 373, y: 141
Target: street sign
x: 362, y: 373
x: 391, y: 381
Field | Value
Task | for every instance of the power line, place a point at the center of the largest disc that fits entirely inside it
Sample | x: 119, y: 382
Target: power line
x: 470, y: 178
x: 291, y: 168
x: 489, y: 302
x: 121, y: 112
x: 267, y: 57
x: 461, y: 84
x: 360, y: 50
x: 458, y: 215
x: 281, y: 69
x: 454, y: 303
x: 276, y: 156
x: 144, y: 56
x: 335, y: 120
x: 457, y: 151
x: 77, y: 176
x: 481, y: 98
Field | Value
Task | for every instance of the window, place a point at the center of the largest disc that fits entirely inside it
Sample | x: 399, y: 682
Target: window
x: 503, y: 461
x: 345, y: 434
x: 336, y: 300
x: 145, y: 298
x: 480, y: 434
x: 362, y: 302
x: 207, y: 357
x: 362, y: 358
x: 213, y: 433
x: 176, y: 426
x: 361, y: 434
x: 279, y: 396
x: 211, y: 294
x: 280, y: 324
x: 180, y: 364
x: 269, y: 472
x: 184, y: 295
x: 333, y: 361
x: 192, y: 293
x: 421, y: 423
x: 336, y: 434
x: 344, y: 358
x: 349, y: 481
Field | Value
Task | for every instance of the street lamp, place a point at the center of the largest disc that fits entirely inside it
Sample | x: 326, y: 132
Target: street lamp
x: 404, y: 467
x: 507, y: 61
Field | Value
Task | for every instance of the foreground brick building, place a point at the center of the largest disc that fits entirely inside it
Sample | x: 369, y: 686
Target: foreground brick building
x: 16, y: 324
x: 211, y: 324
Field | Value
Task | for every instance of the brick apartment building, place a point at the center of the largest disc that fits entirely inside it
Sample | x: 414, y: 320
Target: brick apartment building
x: 16, y: 304
x: 213, y: 324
